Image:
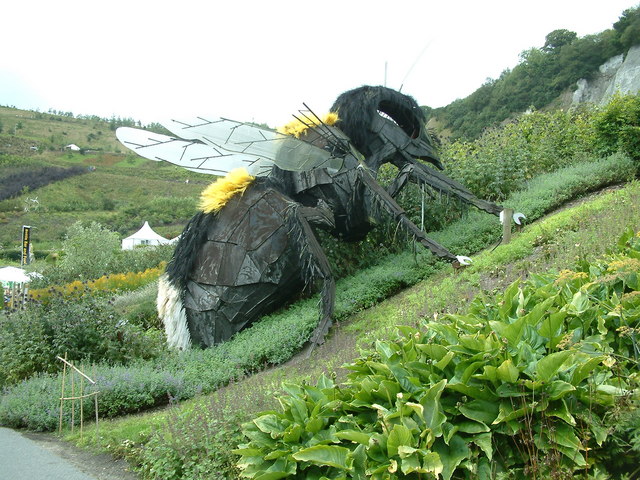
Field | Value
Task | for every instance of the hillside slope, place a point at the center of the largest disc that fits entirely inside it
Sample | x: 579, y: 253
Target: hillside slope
x: 117, y: 189
x: 584, y: 230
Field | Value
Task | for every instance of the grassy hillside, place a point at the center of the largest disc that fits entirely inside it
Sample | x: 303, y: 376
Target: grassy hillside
x: 116, y: 187
x: 22, y: 130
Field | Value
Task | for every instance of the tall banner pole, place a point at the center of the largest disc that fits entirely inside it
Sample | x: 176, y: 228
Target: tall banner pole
x: 25, y: 258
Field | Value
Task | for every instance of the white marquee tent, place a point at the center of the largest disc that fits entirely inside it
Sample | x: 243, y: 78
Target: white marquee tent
x: 10, y: 275
x: 144, y: 236
x: 14, y: 286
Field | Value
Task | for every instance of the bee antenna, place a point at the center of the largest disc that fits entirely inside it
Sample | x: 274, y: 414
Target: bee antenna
x: 321, y: 127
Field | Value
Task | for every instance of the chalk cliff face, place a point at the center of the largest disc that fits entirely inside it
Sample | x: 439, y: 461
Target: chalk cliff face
x: 619, y: 74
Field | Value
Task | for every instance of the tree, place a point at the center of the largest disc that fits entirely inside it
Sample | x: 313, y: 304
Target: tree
x: 89, y: 251
x: 628, y: 28
x: 558, y: 39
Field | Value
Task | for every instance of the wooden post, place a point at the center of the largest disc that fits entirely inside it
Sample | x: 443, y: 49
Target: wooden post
x: 506, y: 225
x: 73, y: 400
x: 95, y: 400
x: 81, y: 402
x: 64, y: 374
x: 82, y: 377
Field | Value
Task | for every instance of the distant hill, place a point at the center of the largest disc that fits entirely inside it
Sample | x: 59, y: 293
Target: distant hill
x: 49, y: 186
x: 544, y: 78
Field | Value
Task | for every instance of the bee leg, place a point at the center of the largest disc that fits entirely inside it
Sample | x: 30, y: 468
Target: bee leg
x: 421, y: 173
x: 316, y: 265
x: 388, y: 204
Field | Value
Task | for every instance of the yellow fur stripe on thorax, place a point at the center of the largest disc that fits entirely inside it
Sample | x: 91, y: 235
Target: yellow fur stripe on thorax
x: 216, y: 195
x: 298, y: 127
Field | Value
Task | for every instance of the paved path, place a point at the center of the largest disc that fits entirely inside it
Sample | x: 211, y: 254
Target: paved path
x: 41, y: 458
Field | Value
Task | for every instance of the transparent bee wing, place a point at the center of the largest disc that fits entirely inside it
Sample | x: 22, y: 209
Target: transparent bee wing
x: 285, y: 151
x: 192, y: 155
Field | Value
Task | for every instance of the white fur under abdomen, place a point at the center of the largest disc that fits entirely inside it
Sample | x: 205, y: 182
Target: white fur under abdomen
x: 173, y: 316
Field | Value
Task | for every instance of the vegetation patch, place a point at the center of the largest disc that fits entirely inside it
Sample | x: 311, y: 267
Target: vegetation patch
x: 523, y: 384
x: 277, y: 337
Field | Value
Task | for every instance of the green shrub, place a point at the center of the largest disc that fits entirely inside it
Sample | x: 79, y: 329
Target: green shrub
x: 617, y: 126
x: 86, y: 330
x: 520, y: 385
x: 503, y: 159
x: 193, y: 446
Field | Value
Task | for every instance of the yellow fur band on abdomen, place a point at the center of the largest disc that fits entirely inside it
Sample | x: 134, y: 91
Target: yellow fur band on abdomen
x: 216, y: 195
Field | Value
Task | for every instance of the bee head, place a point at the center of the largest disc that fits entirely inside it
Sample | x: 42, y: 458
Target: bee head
x: 385, y: 126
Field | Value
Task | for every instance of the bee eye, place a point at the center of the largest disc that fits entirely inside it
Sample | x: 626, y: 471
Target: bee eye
x: 402, y: 117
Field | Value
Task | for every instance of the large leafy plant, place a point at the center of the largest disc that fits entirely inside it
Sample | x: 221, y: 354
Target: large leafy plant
x: 521, y: 385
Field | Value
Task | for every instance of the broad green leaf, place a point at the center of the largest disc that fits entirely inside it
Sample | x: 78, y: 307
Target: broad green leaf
x: 280, y: 469
x: 585, y: 367
x: 579, y: 303
x: 564, y: 435
x: 324, y: 437
x: 512, y: 332
x: 558, y: 389
x: 432, y: 413
x: 330, y: 455
x: 416, y: 408
x: 298, y: 410
x: 560, y: 410
x: 508, y: 412
x: 470, y: 370
x: 431, y: 463
x: 402, y: 375
x: 359, y: 456
x: 511, y: 390
x: 377, y: 367
x: 548, y: 366
x: 293, y: 433
x: 466, y: 426
x: 387, y: 390
x: 484, y: 469
x: 353, y: 436
x: 246, y: 451
x: 481, y: 393
x: 475, y: 343
x: 490, y: 373
x: 272, y: 475
x: 451, y: 455
x: 384, y: 349
x: 538, y: 311
x: 444, y: 361
x: 612, y: 390
x: 410, y: 463
x: 480, y: 410
x: 510, y: 301
x: 269, y: 423
x: 552, y: 326
x: 325, y: 383
x: 276, y: 454
x: 314, y: 424
x: 432, y: 351
x: 484, y: 442
x: 398, y: 436
x: 448, y: 431
x: 405, y: 451
x: 508, y: 372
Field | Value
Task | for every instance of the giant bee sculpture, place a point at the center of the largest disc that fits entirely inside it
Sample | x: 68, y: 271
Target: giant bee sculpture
x: 252, y: 246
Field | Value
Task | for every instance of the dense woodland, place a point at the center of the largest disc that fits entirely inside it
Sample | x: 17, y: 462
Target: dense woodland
x: 542, y: 75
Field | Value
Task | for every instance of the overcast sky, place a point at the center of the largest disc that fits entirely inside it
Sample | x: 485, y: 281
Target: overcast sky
x: 260, y: 60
